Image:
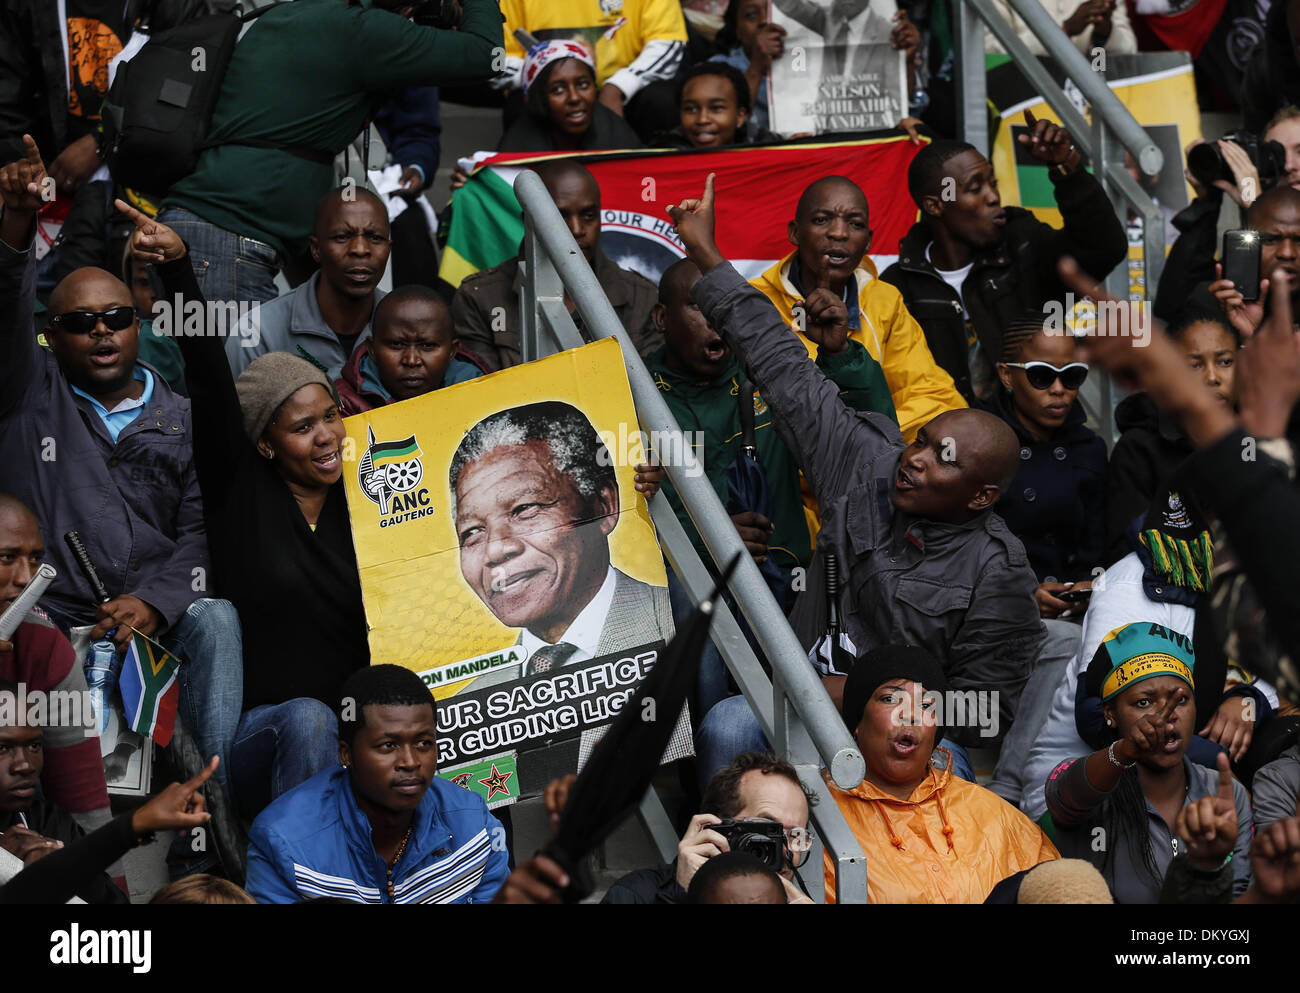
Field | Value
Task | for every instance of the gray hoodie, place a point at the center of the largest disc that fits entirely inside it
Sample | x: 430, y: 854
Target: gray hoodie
x: 962, y: 591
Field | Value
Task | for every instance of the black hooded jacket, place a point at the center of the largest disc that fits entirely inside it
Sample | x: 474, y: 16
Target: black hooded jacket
x: 1151, y: 446
x: 1016, y: 275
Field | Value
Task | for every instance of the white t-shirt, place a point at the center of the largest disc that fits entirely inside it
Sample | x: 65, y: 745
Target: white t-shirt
x: 980, y: 364
x: 953, y: 277
x: 587, y: 627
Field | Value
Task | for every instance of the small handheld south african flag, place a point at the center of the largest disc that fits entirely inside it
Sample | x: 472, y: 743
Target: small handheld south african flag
x: 149, y: 688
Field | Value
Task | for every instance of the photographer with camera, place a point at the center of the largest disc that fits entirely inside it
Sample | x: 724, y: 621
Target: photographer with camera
x: 247, y: 208
x: 1244, y: 166
x: 755, y: 805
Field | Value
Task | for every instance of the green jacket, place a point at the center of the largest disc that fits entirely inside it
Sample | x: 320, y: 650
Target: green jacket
x: 309, y: 73
x: 710, y: 407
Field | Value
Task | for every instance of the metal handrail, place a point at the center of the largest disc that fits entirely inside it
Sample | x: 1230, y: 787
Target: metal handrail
x: 793, y: 708
x: 1104, y: 103
x: 1112, y: 127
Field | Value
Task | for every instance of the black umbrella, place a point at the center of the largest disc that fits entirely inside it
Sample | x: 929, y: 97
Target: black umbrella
x: 623, y: 763
x: 747, y: 489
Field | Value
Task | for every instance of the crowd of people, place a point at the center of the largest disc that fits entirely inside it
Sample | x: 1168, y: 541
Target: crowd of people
x: 1112, y: 619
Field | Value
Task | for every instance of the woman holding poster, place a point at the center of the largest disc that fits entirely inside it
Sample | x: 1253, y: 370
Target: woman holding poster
x: 268, y: 451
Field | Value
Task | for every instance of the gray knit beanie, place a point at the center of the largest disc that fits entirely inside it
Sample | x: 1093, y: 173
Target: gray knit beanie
x: 270, y: 380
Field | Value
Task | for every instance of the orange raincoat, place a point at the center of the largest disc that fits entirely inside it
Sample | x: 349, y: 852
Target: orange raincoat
x: 950, y: 842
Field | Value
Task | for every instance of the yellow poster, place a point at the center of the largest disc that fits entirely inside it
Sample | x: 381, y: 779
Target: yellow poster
x: 427, y: 584
x: 506, y: 556
x: 1158, y: 89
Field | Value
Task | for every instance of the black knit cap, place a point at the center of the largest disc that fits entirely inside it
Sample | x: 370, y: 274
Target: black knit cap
x: 901, y: 662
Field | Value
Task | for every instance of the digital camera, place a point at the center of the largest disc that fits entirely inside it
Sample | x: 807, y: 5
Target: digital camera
x: 760, y: 837
x: 1206, y: 163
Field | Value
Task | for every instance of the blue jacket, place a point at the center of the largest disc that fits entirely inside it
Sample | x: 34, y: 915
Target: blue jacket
x: 314, y: 841
x: 135, y: 501
x: 411, y: 128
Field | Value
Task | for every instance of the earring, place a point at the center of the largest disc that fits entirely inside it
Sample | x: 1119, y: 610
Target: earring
x: 1109, y: 723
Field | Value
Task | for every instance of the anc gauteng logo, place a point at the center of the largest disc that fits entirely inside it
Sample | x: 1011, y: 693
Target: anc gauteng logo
x: 389, y: 474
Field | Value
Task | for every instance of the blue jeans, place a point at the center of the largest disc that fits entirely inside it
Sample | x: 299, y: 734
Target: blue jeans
x: 731, y: 728
x: 228, y: 266
x: 211, y: 677
x: 279, y: 746
x: 728, y: 729
x: 208, y: 640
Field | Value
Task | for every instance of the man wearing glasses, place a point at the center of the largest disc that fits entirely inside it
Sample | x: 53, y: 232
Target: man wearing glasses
x: 970, y: 266
x: 756, y: 785
x: 93, y: 440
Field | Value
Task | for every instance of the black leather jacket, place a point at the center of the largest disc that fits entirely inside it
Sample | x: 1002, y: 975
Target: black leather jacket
x: 1014, y: 276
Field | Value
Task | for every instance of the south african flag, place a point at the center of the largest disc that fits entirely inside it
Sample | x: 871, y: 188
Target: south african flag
x: 149, y: 689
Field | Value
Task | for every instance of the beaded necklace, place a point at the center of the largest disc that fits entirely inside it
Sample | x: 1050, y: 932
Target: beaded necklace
x: 396, y: 858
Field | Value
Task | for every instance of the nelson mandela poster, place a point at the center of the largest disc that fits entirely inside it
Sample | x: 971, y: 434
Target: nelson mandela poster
x: 839, y: 72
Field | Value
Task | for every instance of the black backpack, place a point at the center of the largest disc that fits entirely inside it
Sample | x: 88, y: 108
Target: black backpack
x: 157, y: 112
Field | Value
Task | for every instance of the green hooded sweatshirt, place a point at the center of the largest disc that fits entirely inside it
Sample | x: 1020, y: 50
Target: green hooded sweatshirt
x: 710, y: 407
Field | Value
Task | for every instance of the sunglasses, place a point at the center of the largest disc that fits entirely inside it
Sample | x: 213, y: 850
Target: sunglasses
x: 1042, y: 375
x: 85, y: 321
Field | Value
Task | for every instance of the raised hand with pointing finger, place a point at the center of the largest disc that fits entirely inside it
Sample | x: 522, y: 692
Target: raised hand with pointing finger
x: 693, y: 219
x: 1209, y: 824
x: 23, y: 188
x: 177, y: 808
x: 828, y: 317
x: 23, y: 181
x: 152, y: 241
x: 1050, y: 143
x: 1150, y: 734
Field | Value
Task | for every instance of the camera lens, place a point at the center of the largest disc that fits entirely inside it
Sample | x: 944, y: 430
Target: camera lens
x: 1205, y: 163
x: 763, y: 848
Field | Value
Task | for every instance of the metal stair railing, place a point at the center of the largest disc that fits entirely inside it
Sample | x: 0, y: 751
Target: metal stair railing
x: 792, y: 707
x: 1113, y: 129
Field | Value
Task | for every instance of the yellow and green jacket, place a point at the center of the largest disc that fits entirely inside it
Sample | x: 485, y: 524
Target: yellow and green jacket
x: 711, y: 407
x: 920, y: 388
